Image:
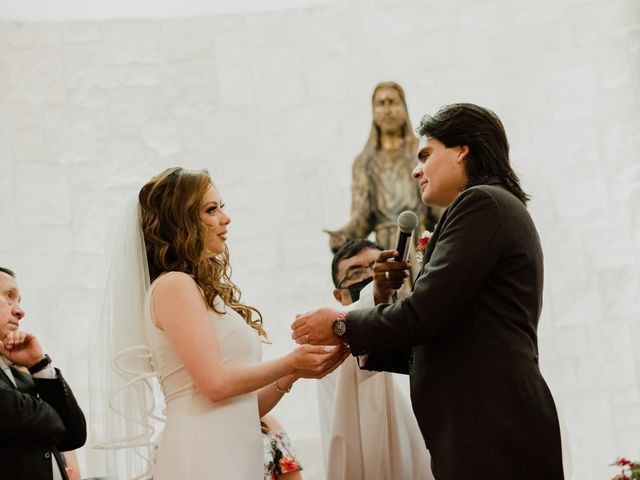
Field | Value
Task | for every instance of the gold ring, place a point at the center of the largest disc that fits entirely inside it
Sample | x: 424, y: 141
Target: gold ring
x: 386, y: 274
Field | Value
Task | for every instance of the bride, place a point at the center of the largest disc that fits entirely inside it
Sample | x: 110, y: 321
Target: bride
x: 189, y: 328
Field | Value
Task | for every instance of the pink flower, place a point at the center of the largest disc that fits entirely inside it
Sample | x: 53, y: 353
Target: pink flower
x: 629, y: 471
x: 288, y: 464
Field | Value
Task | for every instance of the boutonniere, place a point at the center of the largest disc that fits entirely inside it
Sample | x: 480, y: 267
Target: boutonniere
x: 629, y: 471
x: 422, y: 245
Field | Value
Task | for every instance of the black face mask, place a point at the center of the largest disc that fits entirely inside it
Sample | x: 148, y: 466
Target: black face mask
x: 356, y: 288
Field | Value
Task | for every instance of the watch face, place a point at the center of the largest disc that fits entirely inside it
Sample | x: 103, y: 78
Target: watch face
x: 339, y: 328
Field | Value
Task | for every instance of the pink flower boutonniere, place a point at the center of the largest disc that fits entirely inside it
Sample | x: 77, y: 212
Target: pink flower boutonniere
x: 629, y: 471
x: 422, y: 245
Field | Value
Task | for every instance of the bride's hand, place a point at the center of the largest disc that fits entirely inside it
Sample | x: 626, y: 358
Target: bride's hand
x: 311, y: 361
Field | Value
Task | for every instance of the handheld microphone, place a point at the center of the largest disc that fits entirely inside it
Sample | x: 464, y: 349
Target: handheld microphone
x: 407, y: 223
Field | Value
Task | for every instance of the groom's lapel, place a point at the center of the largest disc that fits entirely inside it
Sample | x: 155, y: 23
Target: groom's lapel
x: 431, y: 244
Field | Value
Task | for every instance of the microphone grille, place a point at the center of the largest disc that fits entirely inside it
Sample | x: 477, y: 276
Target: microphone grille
x: 407, y: 221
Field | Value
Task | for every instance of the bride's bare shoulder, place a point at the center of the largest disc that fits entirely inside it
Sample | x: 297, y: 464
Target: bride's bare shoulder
x: 175, y: 283
x: 176, y: 297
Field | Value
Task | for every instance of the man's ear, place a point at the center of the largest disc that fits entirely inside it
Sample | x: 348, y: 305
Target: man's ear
x: 464, y: 151
x: 336, y: 295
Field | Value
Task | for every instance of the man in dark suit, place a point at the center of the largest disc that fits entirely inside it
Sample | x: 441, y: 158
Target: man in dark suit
x: 467, y: 334
x: 40, y: 416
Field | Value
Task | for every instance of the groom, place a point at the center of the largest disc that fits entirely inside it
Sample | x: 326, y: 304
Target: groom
x: 467, y: 333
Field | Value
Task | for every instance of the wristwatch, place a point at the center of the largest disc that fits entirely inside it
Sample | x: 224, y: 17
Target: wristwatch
x: 36, y: 367
x: 339, y: 326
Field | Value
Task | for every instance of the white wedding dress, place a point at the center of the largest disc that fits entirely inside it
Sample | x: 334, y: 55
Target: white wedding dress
x: 204, y: 439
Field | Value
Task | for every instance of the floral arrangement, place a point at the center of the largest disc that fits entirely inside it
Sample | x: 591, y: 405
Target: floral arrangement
x: 422, y: 245
x: 279, y: 455
x: 629, y: 471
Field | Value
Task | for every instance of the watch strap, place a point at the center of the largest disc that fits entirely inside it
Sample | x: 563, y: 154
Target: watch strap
x: 45, y: 362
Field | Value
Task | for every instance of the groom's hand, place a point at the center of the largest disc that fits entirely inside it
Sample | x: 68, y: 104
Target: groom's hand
x: 315, y: 327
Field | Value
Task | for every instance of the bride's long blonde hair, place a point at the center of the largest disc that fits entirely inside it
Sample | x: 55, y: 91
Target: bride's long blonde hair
x: 174, y: 236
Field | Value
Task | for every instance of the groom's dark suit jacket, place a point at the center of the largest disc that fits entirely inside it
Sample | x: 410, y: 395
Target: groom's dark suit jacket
x: 38, y: 418
x: 467, y: 337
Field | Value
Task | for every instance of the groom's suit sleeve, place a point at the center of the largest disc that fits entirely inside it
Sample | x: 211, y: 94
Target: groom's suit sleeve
x: 397, y: 361
x: 466, y: 249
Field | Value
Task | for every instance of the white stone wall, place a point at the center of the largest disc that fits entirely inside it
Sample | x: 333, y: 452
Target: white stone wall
x: 276, y: 105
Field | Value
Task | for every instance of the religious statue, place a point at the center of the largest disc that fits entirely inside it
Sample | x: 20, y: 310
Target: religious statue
x: 382, y: 186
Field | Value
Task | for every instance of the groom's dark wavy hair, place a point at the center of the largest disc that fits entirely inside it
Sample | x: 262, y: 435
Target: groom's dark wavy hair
x: 8, y: 272
x: 482, y: 131
x: 174, y: 237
